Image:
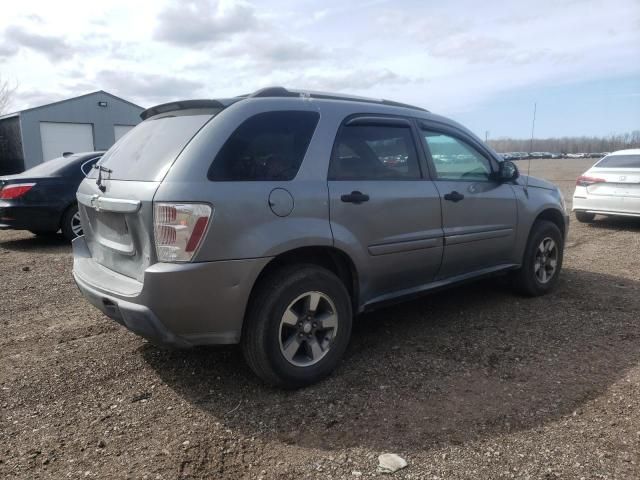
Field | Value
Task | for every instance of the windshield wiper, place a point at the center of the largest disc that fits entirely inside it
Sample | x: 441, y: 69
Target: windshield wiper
x: 101, y: 169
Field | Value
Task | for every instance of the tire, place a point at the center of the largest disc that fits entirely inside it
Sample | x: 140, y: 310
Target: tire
x: 585, y: 217
x: 266, y: 335
x: 69, y: 225
x: 527, y: 279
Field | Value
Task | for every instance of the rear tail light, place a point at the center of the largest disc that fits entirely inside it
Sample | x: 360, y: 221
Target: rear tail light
x: 179, y: 229
x: 16, y: 190
x: 584, y: 181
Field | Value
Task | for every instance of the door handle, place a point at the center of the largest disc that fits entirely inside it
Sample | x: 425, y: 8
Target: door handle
x: 355, y: 197
x: 454, y: 196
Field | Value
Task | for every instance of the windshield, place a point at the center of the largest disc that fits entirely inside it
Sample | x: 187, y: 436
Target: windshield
x: 147, y: 152
x: 619, y: 161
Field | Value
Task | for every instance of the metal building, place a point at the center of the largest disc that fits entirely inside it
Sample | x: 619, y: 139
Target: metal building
x: 89, y: 122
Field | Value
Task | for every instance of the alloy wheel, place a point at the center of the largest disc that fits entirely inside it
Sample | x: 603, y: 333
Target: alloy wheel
x: 307, y: 329
x: 76, y: 224
x: 546, y: 260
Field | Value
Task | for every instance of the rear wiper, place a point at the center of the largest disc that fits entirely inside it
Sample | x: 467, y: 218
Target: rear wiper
x: 101, y: 169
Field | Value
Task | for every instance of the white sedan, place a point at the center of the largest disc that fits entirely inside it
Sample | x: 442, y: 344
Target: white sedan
x: 610, y: 187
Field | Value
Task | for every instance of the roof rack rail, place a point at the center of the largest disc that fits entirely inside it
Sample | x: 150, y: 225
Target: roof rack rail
x: 269, y: 92
x: 283, y: 92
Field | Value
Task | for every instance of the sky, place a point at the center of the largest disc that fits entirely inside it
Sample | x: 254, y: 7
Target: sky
x: 484, y: 64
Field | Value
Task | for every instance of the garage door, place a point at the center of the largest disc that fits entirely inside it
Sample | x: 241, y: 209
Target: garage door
x: 58, y: 138
x: 120, y: 130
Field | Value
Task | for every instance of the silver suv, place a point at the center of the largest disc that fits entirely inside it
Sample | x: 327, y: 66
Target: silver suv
x: 271, y: 219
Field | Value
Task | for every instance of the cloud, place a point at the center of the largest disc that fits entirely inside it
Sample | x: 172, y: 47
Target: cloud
x: 198, y: 22
x: 271, y: 50
x: 7, y: 50
x: 35, y: 98
x: 52, y: 47
x: 472, y: 49
x: 147, y: 87
x: 352, y: 79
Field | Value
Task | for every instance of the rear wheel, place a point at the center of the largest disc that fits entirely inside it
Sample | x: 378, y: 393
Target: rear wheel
x: 298, y: 326
x: 542, y: 260
x: 71, y: 224
x: 585, y: 217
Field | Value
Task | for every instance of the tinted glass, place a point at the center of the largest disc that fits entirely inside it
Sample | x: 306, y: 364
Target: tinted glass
x: 86, y: 166
x: 147, y: 152
x: 267, y: 146
x: 619, y: 161
x: 456, y: 160
x: 374, y: 152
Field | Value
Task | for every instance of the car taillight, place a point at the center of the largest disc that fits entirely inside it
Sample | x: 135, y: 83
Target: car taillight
x: 179, y: 229
x: 584, y: 181
x: 17, y: 190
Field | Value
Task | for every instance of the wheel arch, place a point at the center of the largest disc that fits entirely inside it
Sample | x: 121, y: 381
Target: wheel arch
x: 331, y: 258
x: 552, y: 215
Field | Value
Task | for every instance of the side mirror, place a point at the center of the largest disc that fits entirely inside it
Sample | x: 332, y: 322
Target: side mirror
x: 507, y: 172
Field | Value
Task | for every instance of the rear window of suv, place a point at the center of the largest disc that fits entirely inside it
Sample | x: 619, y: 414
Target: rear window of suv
x: 267, y: 146
x: 619, y: 161
x: 147, y: 152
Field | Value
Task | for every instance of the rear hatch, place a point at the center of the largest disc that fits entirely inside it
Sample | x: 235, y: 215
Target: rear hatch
x: 116, y: 200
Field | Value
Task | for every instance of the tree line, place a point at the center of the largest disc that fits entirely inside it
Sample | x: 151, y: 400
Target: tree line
x: 609, y: 143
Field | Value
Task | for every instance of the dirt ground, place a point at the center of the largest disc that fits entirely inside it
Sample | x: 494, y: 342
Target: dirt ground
x: 473, y: 383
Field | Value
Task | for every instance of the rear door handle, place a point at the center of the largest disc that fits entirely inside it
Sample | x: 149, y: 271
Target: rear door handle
x: 454, y: 196
x: 355, y: 197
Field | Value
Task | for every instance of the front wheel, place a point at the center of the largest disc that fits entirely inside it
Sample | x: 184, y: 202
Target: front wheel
x: 542, y: 260
x: 297, y: 326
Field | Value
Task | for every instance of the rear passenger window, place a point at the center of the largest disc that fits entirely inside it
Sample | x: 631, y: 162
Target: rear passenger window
x: 374, y: 152
x: 267, y: 146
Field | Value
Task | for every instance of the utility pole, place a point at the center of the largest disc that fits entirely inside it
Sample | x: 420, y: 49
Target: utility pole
x: 486, y: 136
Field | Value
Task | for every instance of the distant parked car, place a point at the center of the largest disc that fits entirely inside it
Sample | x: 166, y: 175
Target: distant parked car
x: 610, y: 187
x: 43, y: 199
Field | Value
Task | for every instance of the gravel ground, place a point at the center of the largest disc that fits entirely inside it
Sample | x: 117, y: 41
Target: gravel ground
x: 474, y: 382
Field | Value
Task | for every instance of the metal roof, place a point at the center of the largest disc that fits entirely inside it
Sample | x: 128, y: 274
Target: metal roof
x: 17, y: 114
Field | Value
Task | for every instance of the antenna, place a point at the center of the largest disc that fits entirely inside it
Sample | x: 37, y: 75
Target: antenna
x: 533, y: 127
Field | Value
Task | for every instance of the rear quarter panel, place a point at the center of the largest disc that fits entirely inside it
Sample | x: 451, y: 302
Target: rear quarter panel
x: 243, y: 224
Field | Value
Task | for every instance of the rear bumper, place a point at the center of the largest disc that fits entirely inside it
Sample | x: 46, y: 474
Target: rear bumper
x: 24, y: 217
x: 179, y: 305
x: 607, y: 205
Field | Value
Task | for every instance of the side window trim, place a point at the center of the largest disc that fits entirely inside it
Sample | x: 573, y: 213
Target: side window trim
x: 460, y: 136
x: 379, y: 119
x: 374, y: 121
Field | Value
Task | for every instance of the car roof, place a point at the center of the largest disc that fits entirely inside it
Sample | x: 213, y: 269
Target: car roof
x: 349, y: 104
x: 629, y: 151
x: 271, y: 92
